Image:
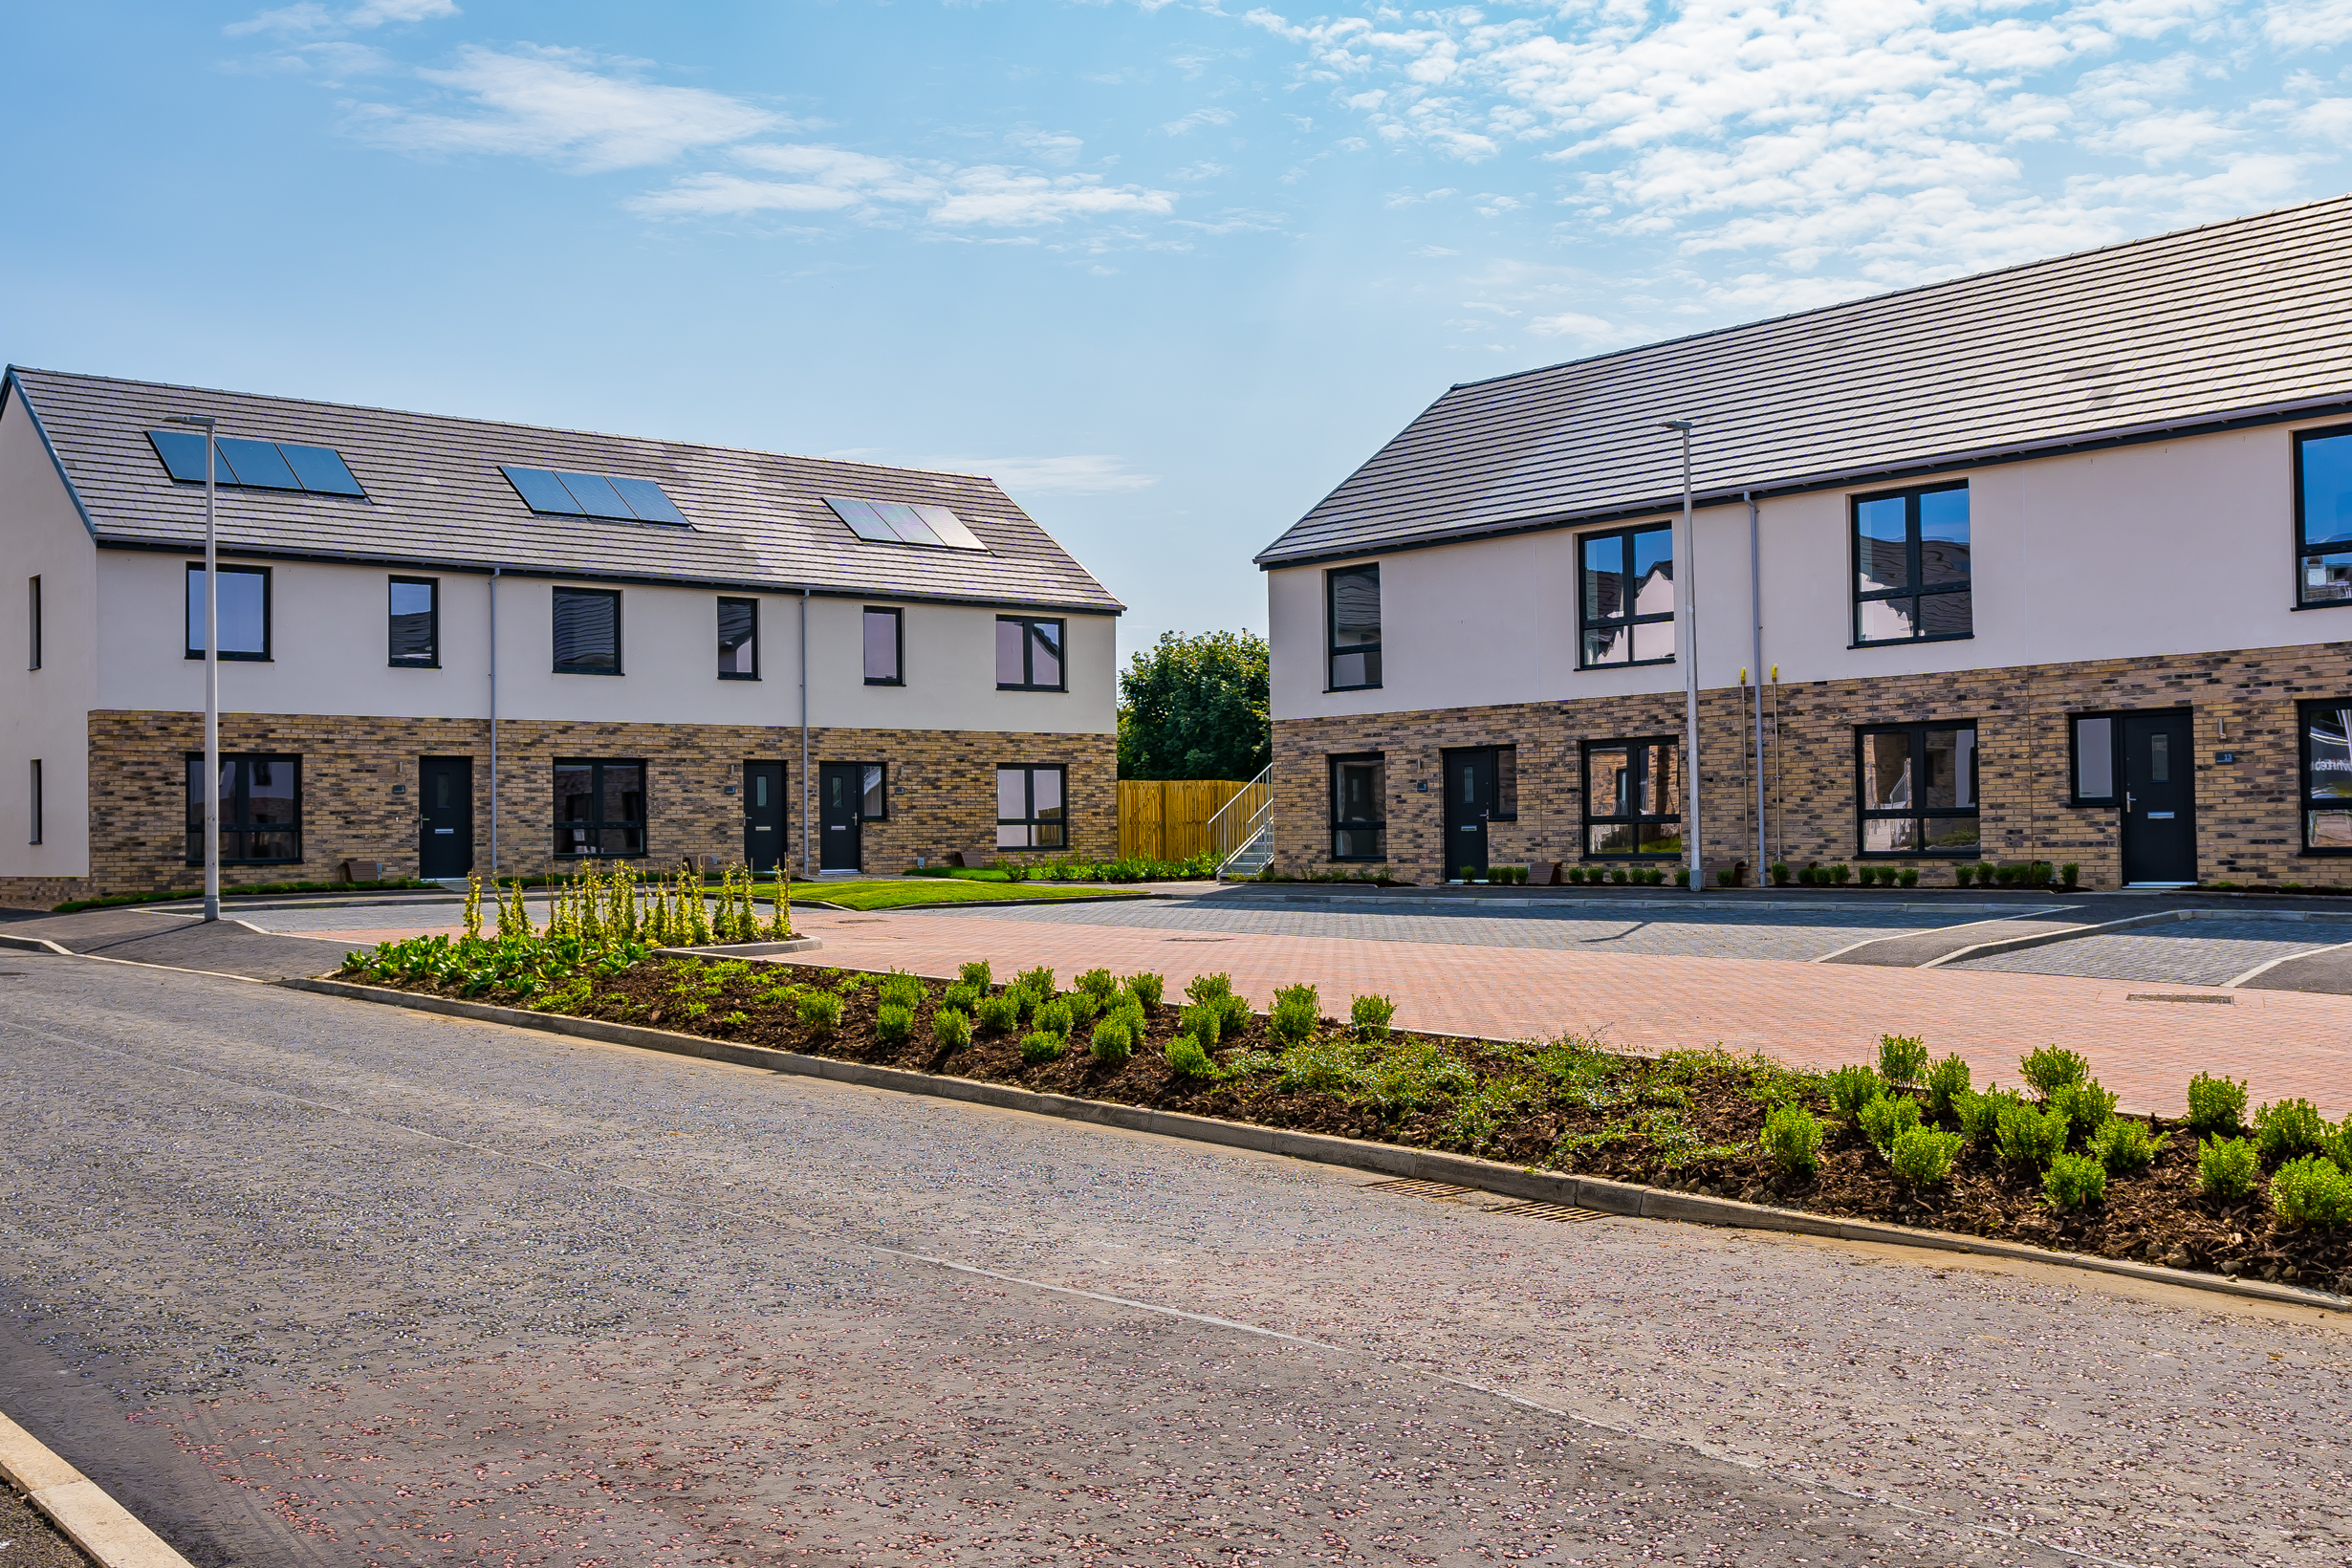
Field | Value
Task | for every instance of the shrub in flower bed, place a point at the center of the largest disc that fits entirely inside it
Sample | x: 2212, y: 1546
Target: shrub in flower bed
x: 1850, y: 1143
x: 2216, y: 1104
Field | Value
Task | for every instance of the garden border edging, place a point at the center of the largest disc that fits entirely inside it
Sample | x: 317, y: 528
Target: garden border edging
x: 1624, y: 1199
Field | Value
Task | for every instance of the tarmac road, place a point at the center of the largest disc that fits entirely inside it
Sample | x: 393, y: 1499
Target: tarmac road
x: 309, y: 1281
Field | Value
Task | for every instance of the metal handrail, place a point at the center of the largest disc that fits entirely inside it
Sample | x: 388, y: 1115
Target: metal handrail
x: 1230, y: 831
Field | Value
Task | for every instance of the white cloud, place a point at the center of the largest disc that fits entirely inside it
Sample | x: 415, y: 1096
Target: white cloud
x: 312, y: 17
x: 1590, y: 328
x: 554, y: 103
x: 1199, y: 117
x: 2308, y: 24
x: 1006, y: 198
x: 1083, y: 475
x: 1058, y: 148
x: 833, y: 179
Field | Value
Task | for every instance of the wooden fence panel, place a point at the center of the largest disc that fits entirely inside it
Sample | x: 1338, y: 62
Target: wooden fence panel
x: 1168, y: 819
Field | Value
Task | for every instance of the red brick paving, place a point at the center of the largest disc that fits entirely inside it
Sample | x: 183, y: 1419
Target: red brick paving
x: 2283, y: 1043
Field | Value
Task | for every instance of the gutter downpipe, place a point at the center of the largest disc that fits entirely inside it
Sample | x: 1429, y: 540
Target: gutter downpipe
x: 1687, y: 618
x: 806, y: 872
x: 1756, y: 590
x: 493, y: 721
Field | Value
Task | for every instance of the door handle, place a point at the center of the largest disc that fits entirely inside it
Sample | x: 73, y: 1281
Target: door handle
x: 2127, y: 800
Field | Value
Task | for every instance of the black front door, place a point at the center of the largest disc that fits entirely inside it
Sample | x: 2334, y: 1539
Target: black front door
x: 763, y: 815
x: 837, y: 815
x: 444, y: 816
x: 1470, y: 800
x: 2159, y: 801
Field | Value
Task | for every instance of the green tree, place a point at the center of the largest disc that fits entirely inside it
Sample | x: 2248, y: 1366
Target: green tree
x: 1195, y: 708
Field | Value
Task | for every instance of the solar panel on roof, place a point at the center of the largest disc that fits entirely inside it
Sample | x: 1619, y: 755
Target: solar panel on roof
x: 541, y: 491
x: 647, y: 500
x: 863, y: 520
x: 241, y: 462
x: 910, y: 529
x: 596, y: 495
x: 949, y: 528
x: 564, y: 493
x: 898, y: 522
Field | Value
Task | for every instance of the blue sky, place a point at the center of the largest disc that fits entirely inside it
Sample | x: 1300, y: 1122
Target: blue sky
x: 1167, y: 270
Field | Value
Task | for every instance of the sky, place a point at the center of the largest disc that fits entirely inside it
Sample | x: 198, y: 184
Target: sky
x: 1168, y: 270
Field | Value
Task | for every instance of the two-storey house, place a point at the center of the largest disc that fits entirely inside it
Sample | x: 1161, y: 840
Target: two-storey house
x: 2052, y: 562
x: 449, y: 643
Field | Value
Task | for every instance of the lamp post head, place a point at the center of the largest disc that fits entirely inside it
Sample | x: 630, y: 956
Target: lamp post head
x: 1686, y: 427
x: 203, y: 420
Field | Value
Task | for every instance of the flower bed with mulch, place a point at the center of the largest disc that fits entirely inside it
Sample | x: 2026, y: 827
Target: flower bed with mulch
x: 1691, y: 1121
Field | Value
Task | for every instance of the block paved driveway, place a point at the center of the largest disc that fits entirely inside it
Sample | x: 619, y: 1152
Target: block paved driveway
x: 2195, y: 951
x: 308, y: 1281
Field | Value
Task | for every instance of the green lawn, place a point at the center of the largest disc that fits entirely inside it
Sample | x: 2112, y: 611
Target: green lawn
x: 914, y: 892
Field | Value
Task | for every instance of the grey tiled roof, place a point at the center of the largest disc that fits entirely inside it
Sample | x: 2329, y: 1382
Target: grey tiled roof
x: 435, y: 496
x: 2243, y: 320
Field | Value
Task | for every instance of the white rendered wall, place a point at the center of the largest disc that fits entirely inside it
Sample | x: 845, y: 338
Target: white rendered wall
x: 328, y: 648
x: 44, y: 713
x: 2167, y: 548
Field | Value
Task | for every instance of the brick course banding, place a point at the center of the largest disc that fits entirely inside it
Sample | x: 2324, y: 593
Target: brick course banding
x: 942, y: 784
x: 2247, y: 822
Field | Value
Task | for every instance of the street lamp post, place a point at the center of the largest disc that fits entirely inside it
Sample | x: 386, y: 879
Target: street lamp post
x: 1687, y: 650
x: 212, y: 678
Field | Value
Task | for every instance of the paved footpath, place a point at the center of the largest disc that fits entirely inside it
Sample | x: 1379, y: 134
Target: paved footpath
x: 307, y: 1281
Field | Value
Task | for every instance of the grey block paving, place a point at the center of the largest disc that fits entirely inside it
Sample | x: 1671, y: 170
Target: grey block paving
x: 2192, y: 952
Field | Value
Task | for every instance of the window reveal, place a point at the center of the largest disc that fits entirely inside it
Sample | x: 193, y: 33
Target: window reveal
x: 1912, y: 566
x: 1917, y: 788
x: 1029, y: 811
x: 261, y: 808
x: 738, y: 640
x: 1359, y: 808
x: 600, y: 807
x: 1626, y: 598
x: 244, y: 592
x: 1352, y: 612
x: 1632, y: 797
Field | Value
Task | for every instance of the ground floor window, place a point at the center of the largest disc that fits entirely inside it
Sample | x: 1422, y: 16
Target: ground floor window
x: 1917, y: 784
x: 2327, y: 776
x: 1633, y: 791
x: 599, y: 806
x: 1359, y: 808
x: 856, y: 789
x: 261, y: 808
x: 1029, y: 809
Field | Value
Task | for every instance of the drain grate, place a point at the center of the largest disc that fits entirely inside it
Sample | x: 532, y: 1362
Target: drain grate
x: 1523, y: 1208
x: 2162, y: 996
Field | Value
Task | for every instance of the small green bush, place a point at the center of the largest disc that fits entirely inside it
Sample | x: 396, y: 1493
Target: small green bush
x: 2216, y: 1105
x: 1780, y: 873
x: 1037, y: 982
x: 2311, y: 1191
x: 1984, y: 872
x: 960, y: 996
x: 2030, y: 1137
x: 2227, y: 1167
x: 1616, y: 874
x: 1902, y: 1058
x: 1296, y: 1010
x: 1042, y: 1046
x: 1838, y: 874
x: 1114, y: 1042
x: 895, y: 1024
x: 1203, y: 1020
x: 977, y: 975
x: 1909, y: 877
x: 1054, y: 1018
x: 1575, y: 876
x: 2089, y: 1105
x: 2049, y: 1069
x: 1922, y: 1155
x: 899, y: 989
x: 2070, y: 873
x: 1146, y: 988
x: 951, y: 1028
x: 2074, y: 1181
x: 1098, y: 985
x: 2339, y: 1144
x: 1369, y: 1016
x: 1082, y: 1006
x: 1468, y: 874
x: 1210, y: 988
x: 2289, y: 1130
x: 1851, y: 1088
x: 2123, y: 1144
x: 1947, y: 1081
x: 1961, y: 874
x: 1793, y: 1137
x: 1887, y: 1119
x: 821, y: 1011
x: 1190, y: 1057
x: 999, y: 1014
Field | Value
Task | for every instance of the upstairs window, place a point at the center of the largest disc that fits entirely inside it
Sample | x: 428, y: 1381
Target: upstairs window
x: 1633, y: 791
x: 261, y: 808
x: 243, y: 611
x: 561, y: 493
x: 1626, y: 605
x: 255, y: 465
x: 1028, y: 654
x: 416, y: 622
x: 886, y: 647
x: 32, y: 618
x: 587, y: 631
x: 2323, y: 515
x: 738, y: 640
x: 1352, y: 610
x: 1912, y: 566
x: 1918, y: 789
x: 900, y: 522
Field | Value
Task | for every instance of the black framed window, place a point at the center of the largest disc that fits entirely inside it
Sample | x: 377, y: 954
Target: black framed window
x: 886, y: 647
x: 587, y: 631
x: 739, y: 640
x: 243, y: 611
x: 261, y: 808
x: 1633, y: 793
x: 2325, y: 770
x: 1352, y: 611
x: 1360, y: 806
x: 1031, y: 808
x: 1625, y: 604
x: 2323, y: 516
x: 2091, y: 760
x: 1916, y: 789
x: 1912, y: 566
x: 32, y: 617
x: 1028, y: 654
x: 416, y: 622
x: 872, y: 801
x: 599, y: 806
x: 35, y: 837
